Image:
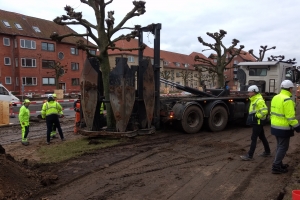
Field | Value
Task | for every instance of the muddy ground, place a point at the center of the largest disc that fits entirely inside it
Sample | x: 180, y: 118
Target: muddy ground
x: 166, y: 165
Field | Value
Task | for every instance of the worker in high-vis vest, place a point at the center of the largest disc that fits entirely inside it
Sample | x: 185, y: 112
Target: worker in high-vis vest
x: 77, y: 113
x: 24, y: 115
x: 256, y: 118
x: 283, y: 124
x: 53, y: 132
x: 102, y: 116
x: 51, y: 111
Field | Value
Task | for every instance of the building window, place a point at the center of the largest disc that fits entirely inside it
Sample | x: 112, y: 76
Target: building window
x: 74, y: 51
x: 215, y: 60
x: 47, y: 46
x: 28, y: 62
x: 36, y: 29
x: 93, y: 52
x: 27, y: 44
x: 47, y: 63
x: 17, y: 62
x: 7, y: 80
x: 6, y: 24
x: 61, y: 55
x: 130, y: 59
x: 186, y: 65
x: 18, y: 26
x: 6, y: 41
x: 29, y: 81
x: 74, y: 66
x: 177, y: 64
x: 75, y: 81
x: 6, y: 60
x: 17, y: 81
x: 235, y: 62
x: 48, y: 81
x: 177, y: 74
x: 165, y: 63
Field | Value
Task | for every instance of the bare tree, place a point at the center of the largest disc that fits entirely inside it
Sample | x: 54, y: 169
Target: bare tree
x: 222, y: 55
x: 262, y: 52
x: 105, y: 29
x: 165, y: 75
x: 58, y: 70
x: 186, y: 76
x: 281, y: 58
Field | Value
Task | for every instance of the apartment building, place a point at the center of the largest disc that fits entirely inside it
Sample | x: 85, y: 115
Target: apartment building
x: 27, y: 51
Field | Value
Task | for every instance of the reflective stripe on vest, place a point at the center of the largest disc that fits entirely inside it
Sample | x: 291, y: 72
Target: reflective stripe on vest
x: 48, y: 107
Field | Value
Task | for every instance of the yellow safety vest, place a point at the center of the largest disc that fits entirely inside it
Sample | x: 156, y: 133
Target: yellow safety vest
x: 258, y: 107
x: 283, y: 111
x: 101, y: 108
x: 50, y: 108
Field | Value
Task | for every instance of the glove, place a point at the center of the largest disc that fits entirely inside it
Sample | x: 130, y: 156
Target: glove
x: 297, y: 129
x: 23, y: 123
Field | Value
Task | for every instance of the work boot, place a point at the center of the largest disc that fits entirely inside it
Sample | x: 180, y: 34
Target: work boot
x: 53, y: 137
x: 25, y: 143
x: 265, y: 154
x: 278, y: 170
x: 63, y: 139
x: 284, y: 166
x: 246, y: 157
x: 48, y: 143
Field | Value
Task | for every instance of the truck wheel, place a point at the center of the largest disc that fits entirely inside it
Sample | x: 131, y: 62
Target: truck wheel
x: 192, y: 119
x: 218, y: 118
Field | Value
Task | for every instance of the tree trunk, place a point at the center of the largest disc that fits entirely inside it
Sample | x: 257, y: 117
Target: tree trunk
x: 220, y: 81
x: 105, y: 68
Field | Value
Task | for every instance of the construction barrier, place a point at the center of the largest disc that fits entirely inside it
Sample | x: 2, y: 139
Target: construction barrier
x: 4, y: 113
x: 11, y: 111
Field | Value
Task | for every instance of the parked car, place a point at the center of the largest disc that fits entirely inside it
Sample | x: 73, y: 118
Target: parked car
x: 6, y: 95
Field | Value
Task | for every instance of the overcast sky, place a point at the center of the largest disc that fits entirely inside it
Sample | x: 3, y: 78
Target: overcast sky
x: 252, y: 22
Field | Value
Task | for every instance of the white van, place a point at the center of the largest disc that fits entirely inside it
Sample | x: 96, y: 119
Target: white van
x: 6, y: 95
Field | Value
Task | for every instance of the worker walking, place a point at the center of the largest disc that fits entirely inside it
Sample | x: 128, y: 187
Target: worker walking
x: 24, y: 115
x: 53, y: 132
x: 283, y: 124
x: 77, y: 113
x: 256, y: 118
x: 51, y: 111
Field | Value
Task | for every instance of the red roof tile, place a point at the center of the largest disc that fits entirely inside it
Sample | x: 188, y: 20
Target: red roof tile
x: 26, y: 22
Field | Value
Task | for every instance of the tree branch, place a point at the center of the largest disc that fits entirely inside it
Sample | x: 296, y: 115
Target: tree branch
x: 108, y: 2
x: 139, y: 7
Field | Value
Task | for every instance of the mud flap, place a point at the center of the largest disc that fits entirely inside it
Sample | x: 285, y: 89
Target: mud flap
x: 121, y: 93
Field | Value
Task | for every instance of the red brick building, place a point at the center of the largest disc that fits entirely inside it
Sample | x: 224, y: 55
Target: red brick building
x: 26, y: 51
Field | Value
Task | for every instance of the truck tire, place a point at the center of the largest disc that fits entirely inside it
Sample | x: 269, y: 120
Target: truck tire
x: 218, y: 119
x: 192, y: 119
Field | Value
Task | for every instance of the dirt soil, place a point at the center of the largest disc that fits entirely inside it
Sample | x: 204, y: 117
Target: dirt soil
x: 166, y: 165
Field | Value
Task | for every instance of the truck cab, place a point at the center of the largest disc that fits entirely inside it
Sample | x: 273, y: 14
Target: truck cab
x: 267, y: 75
x: 6, y: 95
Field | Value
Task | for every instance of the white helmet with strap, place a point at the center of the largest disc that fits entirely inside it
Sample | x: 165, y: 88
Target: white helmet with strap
x: 253, y: 88
x: 287, y: 84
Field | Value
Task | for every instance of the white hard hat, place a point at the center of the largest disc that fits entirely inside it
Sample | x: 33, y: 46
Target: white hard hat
x: 50, y: 95
x: 287, y: 84
x: 253, y: 88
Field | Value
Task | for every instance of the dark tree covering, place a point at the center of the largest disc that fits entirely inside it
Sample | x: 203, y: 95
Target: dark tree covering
x: 105, y: 29
x: 262, y: 52
x: 281, y: 58
x: 222, y: 55
x: 58, y: 70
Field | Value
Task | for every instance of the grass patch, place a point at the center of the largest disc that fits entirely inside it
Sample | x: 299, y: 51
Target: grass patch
x: 69, y: 149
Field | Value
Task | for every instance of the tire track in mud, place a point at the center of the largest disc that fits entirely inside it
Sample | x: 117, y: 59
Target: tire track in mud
x: 122, y: 171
